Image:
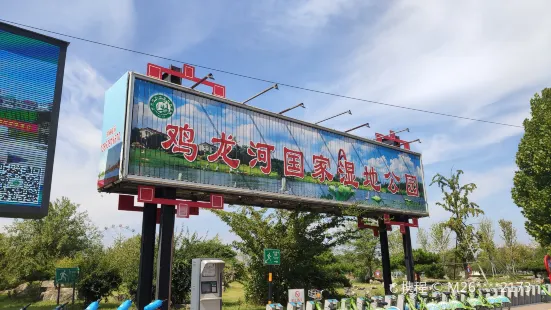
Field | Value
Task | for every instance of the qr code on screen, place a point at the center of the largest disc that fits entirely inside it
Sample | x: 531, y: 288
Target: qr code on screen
x: 19, y: 183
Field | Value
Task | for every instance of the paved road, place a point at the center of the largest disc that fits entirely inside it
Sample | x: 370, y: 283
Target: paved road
x: 540, y: 306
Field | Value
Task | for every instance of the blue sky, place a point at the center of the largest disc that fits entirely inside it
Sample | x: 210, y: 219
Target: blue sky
x: 474, y: 59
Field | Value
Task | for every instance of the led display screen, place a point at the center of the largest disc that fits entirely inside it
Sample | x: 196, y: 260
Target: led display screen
x: 31, y: 76
x: 168, y: 135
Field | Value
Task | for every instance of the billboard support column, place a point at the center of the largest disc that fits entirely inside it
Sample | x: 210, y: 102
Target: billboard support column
x: 385, y: 256
x: 166, y: 237
x: 147, y: 252
x: 408, y: 254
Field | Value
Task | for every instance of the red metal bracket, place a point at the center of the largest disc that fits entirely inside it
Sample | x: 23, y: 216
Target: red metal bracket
x: 188, y: 74
x: 391, y: 137
x: 403, y: 225
x: 146, y: 194
x: 184, y: 208
x: 362, y: 225
x: 126, y: 203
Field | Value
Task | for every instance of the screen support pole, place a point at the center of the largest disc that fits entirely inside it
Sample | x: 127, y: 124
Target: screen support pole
x: 385, y: 257
x: 147, y: 254
x: 166, y: 238
x: 408, y: 254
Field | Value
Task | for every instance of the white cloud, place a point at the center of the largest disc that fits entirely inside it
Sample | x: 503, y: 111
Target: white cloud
x: 112, y: 21
x: 463, y: 59
x: 403, y: 164
x: 495, y: 180
x: 302, y: 21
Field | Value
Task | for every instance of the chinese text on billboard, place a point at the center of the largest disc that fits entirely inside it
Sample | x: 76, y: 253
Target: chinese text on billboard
x: 177, y: 136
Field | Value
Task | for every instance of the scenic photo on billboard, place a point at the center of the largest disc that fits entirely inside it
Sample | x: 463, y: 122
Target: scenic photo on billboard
x: 31, y: 77
x: 193, y: 141
x: 113, y: 125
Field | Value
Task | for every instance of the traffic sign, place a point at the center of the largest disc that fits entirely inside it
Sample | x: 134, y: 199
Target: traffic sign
x: 66, y: 275
x: 272, y: 257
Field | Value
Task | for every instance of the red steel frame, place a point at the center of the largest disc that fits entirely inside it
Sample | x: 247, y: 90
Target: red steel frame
x: 391, y: 137
x: 187, y: 74
x: 185, y: 208
x: 363, y: 225
x: 414, y: 223
x: 389, y: 224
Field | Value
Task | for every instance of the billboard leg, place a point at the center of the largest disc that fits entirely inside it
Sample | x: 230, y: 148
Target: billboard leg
x: 408, y: 255
x: 147, y: 255
x: 385, y: 257
x: 164, y: 259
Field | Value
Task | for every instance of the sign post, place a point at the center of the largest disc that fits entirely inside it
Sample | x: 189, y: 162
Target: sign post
x: 271, y: 257
x: 66, y: 276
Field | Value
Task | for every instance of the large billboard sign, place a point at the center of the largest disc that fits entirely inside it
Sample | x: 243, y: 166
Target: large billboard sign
x: 163, y: 134
x: 31, y: 78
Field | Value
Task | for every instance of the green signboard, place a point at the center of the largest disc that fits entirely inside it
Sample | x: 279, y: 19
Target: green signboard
x: 272, y: 257
x: 66, y: 275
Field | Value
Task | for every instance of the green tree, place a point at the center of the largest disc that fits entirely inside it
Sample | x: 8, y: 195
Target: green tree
x: 440, y: 239
x: 124, y: 257
x: 98, y: 277
x: 425, y: 262
x: 532, y: 181
x: 456, y: 201
x: 189, y: 246
x: 35, y: 245
x: 395, y: 243
x: 509, y: 236
x: 423, y: 239
x: 4, y: 274
x: 532, y: 258
x: 361, y: 254
x: 305, y: 240
x: 485, y: 234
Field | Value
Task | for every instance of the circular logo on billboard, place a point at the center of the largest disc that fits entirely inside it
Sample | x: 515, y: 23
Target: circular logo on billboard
x: 161, y: 106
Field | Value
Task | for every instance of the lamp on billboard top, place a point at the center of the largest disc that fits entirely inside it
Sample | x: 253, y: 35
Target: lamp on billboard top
x: 31, y: 78
x: 158, y: 133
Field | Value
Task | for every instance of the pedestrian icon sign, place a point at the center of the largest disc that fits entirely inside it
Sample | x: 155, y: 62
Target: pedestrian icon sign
x: 272, y: 257
x: 66, y: 275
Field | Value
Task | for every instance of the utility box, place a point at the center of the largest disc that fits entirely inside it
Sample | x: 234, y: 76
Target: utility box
x: 206, y: 283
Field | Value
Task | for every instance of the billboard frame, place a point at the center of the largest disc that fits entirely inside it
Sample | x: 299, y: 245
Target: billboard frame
x: 274, y: 198
x: 26, y: 212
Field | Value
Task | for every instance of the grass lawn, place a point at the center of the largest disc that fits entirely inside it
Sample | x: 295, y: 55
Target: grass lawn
x: 15, y: 304
x: 234, y: 298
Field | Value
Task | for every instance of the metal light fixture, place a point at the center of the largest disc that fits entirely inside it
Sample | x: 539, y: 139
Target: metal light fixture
x: 413, y: 141
x: 289, y: 109
x: 208, y: 76
x: 262, y: 92
x: 357, y: 127
x: 349, y: 112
